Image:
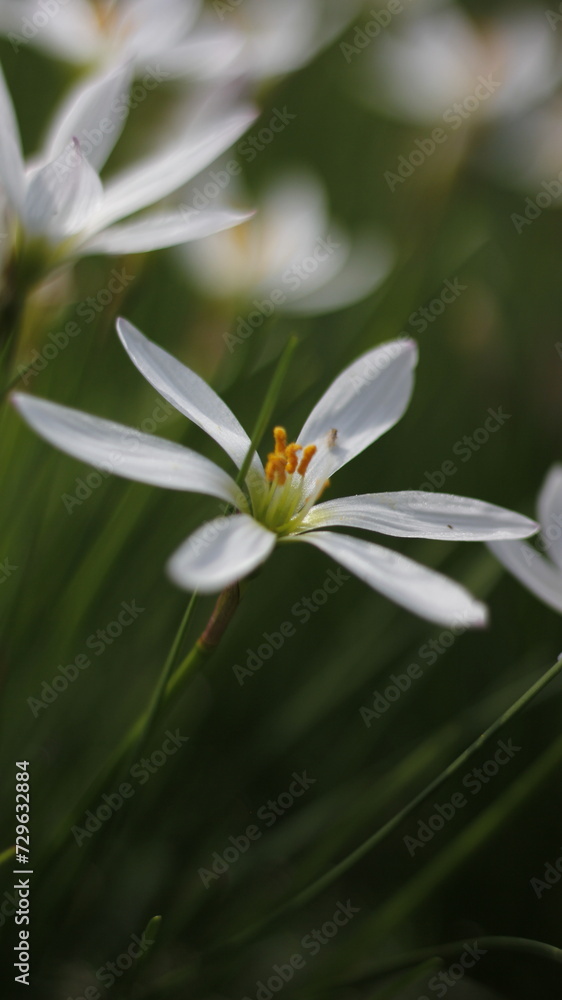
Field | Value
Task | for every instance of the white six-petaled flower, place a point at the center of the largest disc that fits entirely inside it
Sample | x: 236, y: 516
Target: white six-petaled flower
x: 541, y: 573
x: 278, y: 503
x: 58, y: 200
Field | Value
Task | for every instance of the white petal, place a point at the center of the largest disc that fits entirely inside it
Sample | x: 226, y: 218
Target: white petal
x: 364, y: 268
x: 156, y: 27
x: 366, y: 400
x: 12, y: 169
x: 153, y: 232
x: 207, y: 54
x: 416, y: 514
x: 220, y: 553
x: 422, y: 591
x: 189, y: 393
x: 550, y: 513
x: 125, y: 451
x: 89, y: 114
x: 156, y: 177
x: 62, y: 197
x: 541, y: 577
x: 73, y: 34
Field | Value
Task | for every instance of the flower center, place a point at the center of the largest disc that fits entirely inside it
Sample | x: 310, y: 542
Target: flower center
x: 284, y: 461
x: 104, y: 13
x: 281, y: 501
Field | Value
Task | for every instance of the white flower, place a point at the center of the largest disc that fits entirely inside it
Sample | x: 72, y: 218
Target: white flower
x: 106, y: 32
x: 278, y: 38
x: 290, y: 255
x: 434, y: 58
x: 542, y: 574
x: 279, y: 503
x: 59, y: 202
x: 259, y: 39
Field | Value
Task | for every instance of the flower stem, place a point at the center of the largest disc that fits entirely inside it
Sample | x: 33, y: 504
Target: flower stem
x: 329, y: 877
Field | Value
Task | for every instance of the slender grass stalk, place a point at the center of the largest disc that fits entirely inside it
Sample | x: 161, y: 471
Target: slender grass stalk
x: 515, y: 945
x: 146, y: 722
x: 268, y: 406
x: 309, y: 892
x: 168, y: 683
x: 400, y: 906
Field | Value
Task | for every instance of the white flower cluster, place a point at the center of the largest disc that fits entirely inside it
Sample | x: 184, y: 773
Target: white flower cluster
x: 59, y: 205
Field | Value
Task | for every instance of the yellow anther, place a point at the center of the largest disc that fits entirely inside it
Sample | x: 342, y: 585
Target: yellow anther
x: 292, y: 457
x: 307, y: 456
x: 280, y: 435
x: 275, y: 468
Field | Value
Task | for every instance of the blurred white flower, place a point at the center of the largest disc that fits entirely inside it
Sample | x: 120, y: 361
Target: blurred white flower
x: 259, y: 39
x: 291, y: 256
x: 58, y: 202
x: 279, y: 502
x: 431, y: 59
x: 280, y: 37
x: 541, y: 574
x: 105, y: 32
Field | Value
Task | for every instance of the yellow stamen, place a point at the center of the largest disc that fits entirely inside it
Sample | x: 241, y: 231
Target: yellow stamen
x: 275, y: 467
x: 307, y: 456
x: 285, y: 460
x: 292, y: 457
x: 280, y: 435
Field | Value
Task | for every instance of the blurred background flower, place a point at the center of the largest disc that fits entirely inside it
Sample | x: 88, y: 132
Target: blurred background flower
x: 291, y: 256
